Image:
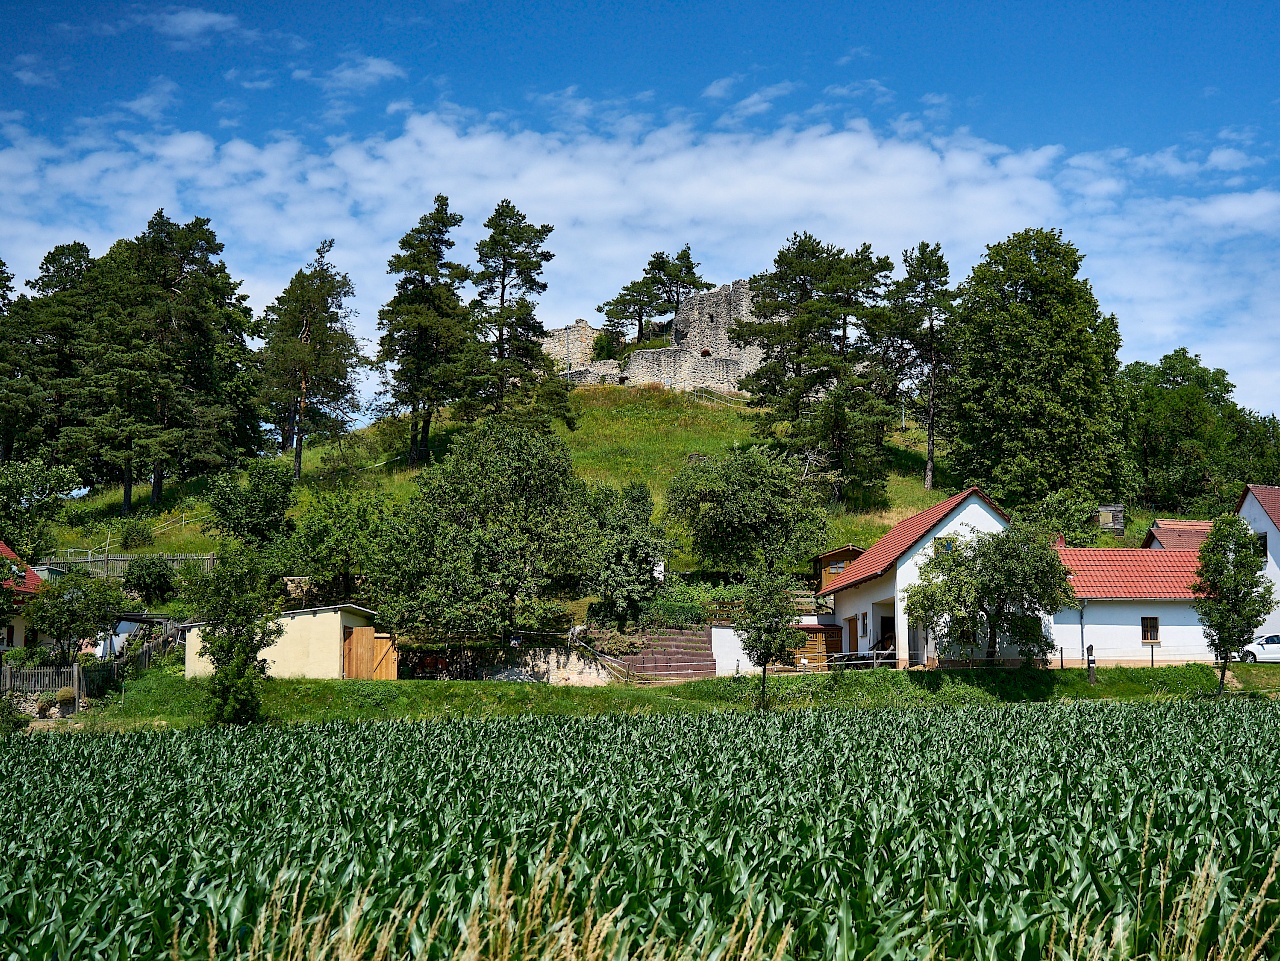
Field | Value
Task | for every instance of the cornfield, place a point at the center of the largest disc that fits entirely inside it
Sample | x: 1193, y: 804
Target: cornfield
x: 1065, y: 831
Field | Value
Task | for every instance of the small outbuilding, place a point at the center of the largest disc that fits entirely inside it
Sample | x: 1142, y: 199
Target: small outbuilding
x: 320, y: 642
x: 1168, y: 534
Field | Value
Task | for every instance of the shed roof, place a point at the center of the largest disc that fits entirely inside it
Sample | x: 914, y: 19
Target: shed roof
x: 30, y: 582
x: 839, y: 550
x: 312, y: 610
x: 904, y: 535
x: 1177, y: 535
x: 1131, y: 573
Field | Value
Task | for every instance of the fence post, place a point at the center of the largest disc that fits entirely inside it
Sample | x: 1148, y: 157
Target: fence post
x: 76, y: 686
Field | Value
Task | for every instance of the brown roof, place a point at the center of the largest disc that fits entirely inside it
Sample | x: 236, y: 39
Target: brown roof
x: 30, y: 582
x: 840, y: 550
x: 1106, y: 573
x: 884, y: 553
x: 1176, y: 535
x: 1268, y: 497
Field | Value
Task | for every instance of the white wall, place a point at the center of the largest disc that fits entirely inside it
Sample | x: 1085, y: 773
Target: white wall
x: 1260, y: 523
x: 1114, y: 628
x: 726, y: 645
x: 23, y: 636
x: 973, y: 516
x: 853, y: 601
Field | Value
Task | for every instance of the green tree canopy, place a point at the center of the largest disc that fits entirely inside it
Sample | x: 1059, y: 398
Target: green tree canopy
x: 748, y: 508
x: 1233, y: 594
x: 821, y: 388
x: 1032, y: 404
x: 235, y: 605
x: 428, y: 346
x: 253, y: 507
x: 1193, y: 445
x: 72, y: 609
x: 767, y: 622
x: 516, y: 378
x: 1067, y: 514
x: 921, y: 304
x: 335, y: 543
x: 625, y: 555
x: 31, y: 498
x: 492, y: 542
x: 311, y: 357
x: 991, y: 589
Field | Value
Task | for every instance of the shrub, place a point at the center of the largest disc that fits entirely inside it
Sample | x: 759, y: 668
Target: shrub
x: 32, y: 656
x: 135, y: 532
x: 65, y: 695
x: 11, y: 719
x: 151, y: 578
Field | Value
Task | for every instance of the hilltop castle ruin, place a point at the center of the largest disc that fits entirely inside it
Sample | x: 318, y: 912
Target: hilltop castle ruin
x: 701, y: 354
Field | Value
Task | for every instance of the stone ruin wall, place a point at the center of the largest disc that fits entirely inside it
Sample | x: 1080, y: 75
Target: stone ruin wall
x: 570, y: 346
x: 702, y: 354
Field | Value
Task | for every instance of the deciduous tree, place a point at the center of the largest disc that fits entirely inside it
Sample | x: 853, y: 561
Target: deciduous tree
x: 624, y: 555
x: 991, y: 588
x: 74, y: 608
x: 31, y: 496
x: 748, y: 508
x: 1233, y: 594
x: 253, y: 507
x: 1032, y: 404
x: 767, y: 623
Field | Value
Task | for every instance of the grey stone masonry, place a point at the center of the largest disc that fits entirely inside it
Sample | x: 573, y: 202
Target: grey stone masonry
x: 705, y: 320
x: 570, y: 347
x: 702, y: 354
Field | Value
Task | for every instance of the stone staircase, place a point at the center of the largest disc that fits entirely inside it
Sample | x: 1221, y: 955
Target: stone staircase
x: 673, y: 656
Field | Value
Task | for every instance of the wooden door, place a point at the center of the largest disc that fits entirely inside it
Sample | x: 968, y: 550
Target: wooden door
x: 369, y: 655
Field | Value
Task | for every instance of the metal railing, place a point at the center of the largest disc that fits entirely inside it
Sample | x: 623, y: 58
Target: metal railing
x: 115, y: 565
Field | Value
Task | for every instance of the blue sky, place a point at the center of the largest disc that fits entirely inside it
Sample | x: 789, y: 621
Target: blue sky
x: 1147, y: 132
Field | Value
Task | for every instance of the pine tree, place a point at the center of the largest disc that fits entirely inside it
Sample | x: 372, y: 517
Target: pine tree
x: 637, y: 302
x: 311, y: 356
x: 428, y: 344
x: 819, y: 390
x: 516, y: 376
x: 675, y: 279
x: 922, y: 302
x: 1032, y: 404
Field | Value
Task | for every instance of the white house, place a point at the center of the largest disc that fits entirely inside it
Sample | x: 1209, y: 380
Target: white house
x: 869, y: 598
x: 1135, y: 608
x: 1260, y: 508
x: 16, y: 632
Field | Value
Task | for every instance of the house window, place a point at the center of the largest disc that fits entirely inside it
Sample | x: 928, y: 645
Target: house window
x: 1151, y: 630
x: 944, y: 545
x: 837, y: 567
x: 8, y: 636
x: 863, y: 631
x: 1262, y: 543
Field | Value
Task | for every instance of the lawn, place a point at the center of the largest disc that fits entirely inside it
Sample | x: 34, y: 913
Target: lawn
x: 163, y: 697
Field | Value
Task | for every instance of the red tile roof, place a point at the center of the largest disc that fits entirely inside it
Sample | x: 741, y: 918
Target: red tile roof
x: 904, y: 535
x: 1268, y: 497
x: 1131, y: 573
x: 30, y: 582
x: 1175, y: 535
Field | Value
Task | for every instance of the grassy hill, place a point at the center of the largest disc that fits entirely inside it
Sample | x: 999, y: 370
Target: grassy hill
x: 623, y: 434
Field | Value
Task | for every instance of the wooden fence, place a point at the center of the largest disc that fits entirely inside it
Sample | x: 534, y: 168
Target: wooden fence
x: 38, y: 680
x: 114, y: 565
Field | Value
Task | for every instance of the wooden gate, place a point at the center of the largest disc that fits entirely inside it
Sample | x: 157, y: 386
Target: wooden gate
x: 369, y: 655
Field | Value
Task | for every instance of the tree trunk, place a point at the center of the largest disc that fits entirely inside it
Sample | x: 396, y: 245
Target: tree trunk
x: 992, y: 639
x: 413, y: 435
x: 928, y: 455
x: 298, y: 433
x: 764, y: 703
x: 157, y: 483
x: 287, y: 428
x: 426, y: 431
x: 1222, y: 677
x: 128, y: 491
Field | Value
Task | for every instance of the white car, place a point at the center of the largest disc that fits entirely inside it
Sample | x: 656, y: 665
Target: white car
x: 1262, y: 649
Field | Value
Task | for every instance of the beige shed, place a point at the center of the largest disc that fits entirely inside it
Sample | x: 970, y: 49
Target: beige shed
x: 321, y: 642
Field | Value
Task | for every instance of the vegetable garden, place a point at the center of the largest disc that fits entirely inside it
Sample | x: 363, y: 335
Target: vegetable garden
x: 1100, y: 830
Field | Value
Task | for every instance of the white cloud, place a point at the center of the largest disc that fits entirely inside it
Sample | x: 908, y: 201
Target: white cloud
x: 158, y: 98
x: 720, y: 89
x: 28, y: 71
x: 1195, y: 269
x: 759, y: 102
x: 873, y: 89
x: 855, y: 53
x: 188, y: 27
x: 1229, y: 158
x: 358, y: 74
